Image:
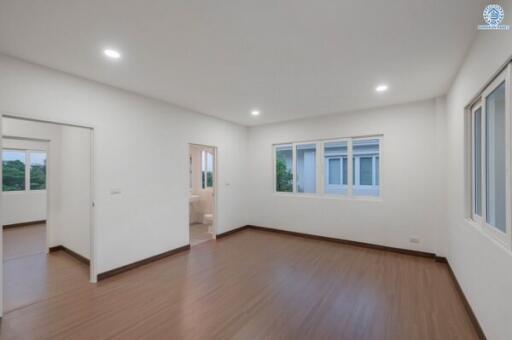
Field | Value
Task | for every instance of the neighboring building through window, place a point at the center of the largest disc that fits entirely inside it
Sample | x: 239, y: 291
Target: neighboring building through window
x: 336, y: 167
x: 306, y: 168
x: 365, y: 165
x: 300, y: 166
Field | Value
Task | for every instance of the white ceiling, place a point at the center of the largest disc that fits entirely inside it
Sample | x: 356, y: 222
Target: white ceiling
x: 289, y: 58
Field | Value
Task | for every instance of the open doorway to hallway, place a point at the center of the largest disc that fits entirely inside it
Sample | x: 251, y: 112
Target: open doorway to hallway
x: 46, y: 210
x: 202, y: 184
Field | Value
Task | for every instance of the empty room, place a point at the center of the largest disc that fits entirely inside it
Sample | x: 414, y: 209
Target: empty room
x: 256, y: 169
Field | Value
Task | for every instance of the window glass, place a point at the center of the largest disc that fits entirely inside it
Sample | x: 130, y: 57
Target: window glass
x: 206, y: 169
x: 13, y: 170
x: 335, y: 165
x: 365, y: 171
x: 306, y: 168
x: 284, y: 161
x: 377, y: 168
x: 365, y: 167
x: 495, y: 158
x: 478, y: 161
x: 37, y: 170
x: 334, y: 171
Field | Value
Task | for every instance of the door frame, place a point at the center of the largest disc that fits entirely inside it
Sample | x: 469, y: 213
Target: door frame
x: 215, y: 186
x: 92, y: 213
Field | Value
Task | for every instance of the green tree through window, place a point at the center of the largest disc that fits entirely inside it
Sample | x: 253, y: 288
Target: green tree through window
x: 37, y: 171
x: 13, y: 172
x: 284, y: 175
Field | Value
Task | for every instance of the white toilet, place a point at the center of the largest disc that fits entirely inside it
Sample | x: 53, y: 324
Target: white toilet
x: 208, y: 219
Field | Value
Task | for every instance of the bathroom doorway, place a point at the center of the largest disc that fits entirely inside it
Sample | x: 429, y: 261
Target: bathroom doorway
x: 202, y: 193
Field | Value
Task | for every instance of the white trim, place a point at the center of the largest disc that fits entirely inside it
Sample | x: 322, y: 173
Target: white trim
x: 503, y: 238
x: 474, y: 216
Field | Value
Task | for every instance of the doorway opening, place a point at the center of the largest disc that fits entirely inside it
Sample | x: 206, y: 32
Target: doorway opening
x: 46, y: 210
x: 202, y: 189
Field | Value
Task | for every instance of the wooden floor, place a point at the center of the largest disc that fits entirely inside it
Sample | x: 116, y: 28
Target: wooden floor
x: 30, y: 275
x: 257, y: 285
x: 23, y: 241
x: 199, y: 233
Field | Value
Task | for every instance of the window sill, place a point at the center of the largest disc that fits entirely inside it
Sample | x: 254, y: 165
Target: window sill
x: 21, y: 192
x: 329, y: 197
x: 488, y: 234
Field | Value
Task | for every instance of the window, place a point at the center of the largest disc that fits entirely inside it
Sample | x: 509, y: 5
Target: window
x: 365, y: 167
x: 306, y: 168
x: 300, y: 167
x: 489, y: 145
x: 23, y: 170
x: 495, y: 158
x: 206, y: 169
x: 37, y: 170
x: 284, y: 177
x: 13, y: 170
x: 336, y: 167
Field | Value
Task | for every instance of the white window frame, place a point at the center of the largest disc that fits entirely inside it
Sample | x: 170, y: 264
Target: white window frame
x: 28, y: 161
x: 504, y: 238
x: 321, y: 171
x: 477, y: 218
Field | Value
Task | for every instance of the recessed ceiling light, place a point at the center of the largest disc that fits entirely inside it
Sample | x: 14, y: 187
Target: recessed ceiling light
x: 255, y: 112
x: 113, y: 54
x: 381, y: 88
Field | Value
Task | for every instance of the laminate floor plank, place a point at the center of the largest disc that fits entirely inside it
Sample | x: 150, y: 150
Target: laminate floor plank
x: 258, y: 285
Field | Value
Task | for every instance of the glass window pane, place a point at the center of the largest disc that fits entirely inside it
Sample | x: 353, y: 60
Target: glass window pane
x: 284, y: 176
x: 209, y: 170
x: 306, y: 168
x: 335, y: 171
x: 345, y: 171
x: 37, y: 171
x: 365, y: 171
x: 365, y: 174
x: 377, y: 169
x: 13, y: 170
x: 495, y: 158
x: 206, y: 169
x: 335, y: 164
x: 478, y: 161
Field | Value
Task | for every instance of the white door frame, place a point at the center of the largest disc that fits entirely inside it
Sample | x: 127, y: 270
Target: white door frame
x: 215, y: 186
x: 92, y: 231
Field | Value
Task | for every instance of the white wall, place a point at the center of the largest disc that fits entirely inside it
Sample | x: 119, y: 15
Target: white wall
x: 24, y: 206
x: 75, y: 190
x: 141, y: 148
x: 410, y: 182
x: 481, y: 265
